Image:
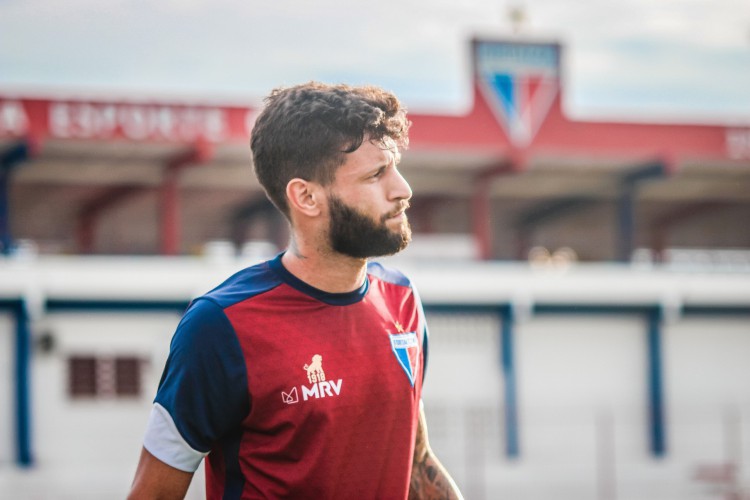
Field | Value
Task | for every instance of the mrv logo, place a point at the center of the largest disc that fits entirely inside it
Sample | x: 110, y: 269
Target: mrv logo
x: 319, y: 387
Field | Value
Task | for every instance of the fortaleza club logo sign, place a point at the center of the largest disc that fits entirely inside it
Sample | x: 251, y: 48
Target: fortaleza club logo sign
x: 520, y: 82
x: 318, y: 386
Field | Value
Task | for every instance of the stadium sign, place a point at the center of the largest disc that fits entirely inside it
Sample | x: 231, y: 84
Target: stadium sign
x: 520, y: 82
x: 136, y: 122
x: 13, y: 118
x: 67, y: 119
x: 738, y: 143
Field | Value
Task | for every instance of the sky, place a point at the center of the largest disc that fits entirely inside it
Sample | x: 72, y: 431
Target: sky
x: 668, y: 60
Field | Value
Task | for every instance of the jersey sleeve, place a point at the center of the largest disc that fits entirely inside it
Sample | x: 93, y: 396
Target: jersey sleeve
x: 425, y: 350
x: 203, y: 393
x: 423, y: 328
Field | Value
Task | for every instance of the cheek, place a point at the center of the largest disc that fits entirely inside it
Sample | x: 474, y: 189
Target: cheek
x: 368, y: 200
x: 377, y: 207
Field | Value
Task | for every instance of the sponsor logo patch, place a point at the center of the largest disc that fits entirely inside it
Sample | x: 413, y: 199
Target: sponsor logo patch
x: 291, y: 397
x: 318, y: 387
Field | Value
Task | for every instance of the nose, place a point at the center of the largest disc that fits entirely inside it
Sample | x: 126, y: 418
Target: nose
x: 400, y: 189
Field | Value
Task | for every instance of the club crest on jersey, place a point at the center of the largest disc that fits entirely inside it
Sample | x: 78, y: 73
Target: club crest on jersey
x: 318, y: 387
x: 406, y: 348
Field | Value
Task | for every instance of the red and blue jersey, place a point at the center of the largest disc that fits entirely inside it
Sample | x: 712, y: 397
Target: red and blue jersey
x: 292, y: 392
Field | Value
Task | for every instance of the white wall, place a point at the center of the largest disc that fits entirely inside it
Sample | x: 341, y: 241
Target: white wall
x: 7, y: 389
x: 89, y: 448
x: 707, y: 376
x: 583, y: 405
x: 462, y: 391
x: 581, y: 381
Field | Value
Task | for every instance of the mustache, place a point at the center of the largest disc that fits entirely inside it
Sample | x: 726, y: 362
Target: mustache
x: 402, y: 206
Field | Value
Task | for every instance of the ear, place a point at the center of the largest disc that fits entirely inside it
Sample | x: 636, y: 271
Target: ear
x: 305, y: 197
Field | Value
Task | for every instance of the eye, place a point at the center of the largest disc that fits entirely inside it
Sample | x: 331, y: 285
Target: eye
x: 379, y: 173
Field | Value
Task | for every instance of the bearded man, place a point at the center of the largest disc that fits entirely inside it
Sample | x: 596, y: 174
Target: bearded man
x: 301, y: 377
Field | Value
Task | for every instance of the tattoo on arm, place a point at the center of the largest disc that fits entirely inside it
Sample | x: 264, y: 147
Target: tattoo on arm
x: 429, y: 479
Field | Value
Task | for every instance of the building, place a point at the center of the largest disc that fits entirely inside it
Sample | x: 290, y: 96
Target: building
x: 547, y: 378
x: 142, y: 177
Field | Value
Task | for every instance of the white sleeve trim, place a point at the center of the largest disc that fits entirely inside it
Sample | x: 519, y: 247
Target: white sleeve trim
x: 164, y: 441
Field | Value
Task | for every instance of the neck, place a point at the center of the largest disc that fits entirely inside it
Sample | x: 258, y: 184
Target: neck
x: 325, y: 270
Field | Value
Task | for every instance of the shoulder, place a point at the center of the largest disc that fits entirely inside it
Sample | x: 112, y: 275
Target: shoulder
x: 245, y: 284
x: 388, y: 274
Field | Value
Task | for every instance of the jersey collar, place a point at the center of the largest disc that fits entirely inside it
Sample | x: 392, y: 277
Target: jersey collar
x: 334, y: 299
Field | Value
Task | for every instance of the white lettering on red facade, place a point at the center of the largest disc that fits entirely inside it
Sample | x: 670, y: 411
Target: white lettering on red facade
x: 136, y: 122
x: 738, y: 143
x: 250, y: 118
x: 13, y: 119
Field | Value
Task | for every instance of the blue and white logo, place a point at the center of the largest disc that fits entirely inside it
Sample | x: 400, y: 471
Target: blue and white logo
x: 406, y: 348
x: 520, y: 81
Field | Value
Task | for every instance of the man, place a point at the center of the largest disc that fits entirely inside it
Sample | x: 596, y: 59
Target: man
x: 301, y: 377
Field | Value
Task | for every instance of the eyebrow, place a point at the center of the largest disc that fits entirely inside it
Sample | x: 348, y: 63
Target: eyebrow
x: 381, y: 167
x: 393, y: 159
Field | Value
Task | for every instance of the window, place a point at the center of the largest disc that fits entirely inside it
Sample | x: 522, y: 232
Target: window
x: 82, y: 377
x: 128, y: 376
x: 104, y: 377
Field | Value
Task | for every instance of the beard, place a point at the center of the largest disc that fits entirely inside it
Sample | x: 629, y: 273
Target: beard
x: 357, y: 235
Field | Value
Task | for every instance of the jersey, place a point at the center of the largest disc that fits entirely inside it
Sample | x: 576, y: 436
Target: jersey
x: 292, y: 392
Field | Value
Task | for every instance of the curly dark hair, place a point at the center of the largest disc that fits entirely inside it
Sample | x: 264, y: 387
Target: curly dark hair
x: 306, y: 131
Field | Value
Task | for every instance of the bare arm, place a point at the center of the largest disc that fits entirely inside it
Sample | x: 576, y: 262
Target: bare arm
x: 155, y: 480
x: 429, y: 479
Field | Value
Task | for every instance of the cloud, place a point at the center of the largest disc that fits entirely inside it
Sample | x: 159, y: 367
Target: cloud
x: 696, y: 49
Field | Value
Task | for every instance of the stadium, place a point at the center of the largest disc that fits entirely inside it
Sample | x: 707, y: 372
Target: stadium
x: 586, y: 284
